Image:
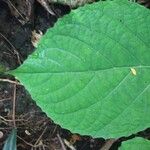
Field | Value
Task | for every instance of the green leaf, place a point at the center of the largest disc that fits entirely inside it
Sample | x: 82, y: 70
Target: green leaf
x: 91, y: 72
x: 10, y: 143
x: 136, y: 144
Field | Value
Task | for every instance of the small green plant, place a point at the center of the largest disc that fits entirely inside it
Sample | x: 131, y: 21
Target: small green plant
x: 10, y: 143
x: 91, y: 72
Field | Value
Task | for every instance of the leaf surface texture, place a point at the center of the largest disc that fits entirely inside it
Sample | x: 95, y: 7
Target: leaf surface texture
x: 91, y: 71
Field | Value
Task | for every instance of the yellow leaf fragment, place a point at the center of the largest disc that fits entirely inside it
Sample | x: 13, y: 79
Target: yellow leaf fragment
x: 133, y: 71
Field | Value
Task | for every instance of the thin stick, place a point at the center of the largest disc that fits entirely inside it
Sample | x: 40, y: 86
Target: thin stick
x: 10, y: 81
x: 40, y: 137
x: 8, y: 120
x: 14, y: 106
x: 5, y: 99
x: 53, y: 131
x: 46, y: 6
x: 33, y: 146
x: 15, y: 51
x: 108, y: 144
x: 4, y: 128
x: 25, y: 141
x: 3, y: 120
x: 16, y: 10
x: 69, y: 145
x: 61, y: 142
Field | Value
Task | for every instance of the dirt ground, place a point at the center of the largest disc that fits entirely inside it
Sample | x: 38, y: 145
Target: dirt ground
x: 35, y: 130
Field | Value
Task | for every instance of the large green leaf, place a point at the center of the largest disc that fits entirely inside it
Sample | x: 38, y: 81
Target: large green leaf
x: 136, y: 144
x: 91, y: 72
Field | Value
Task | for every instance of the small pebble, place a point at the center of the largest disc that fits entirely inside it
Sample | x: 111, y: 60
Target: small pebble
x: 1, y: 134
x: 27, y: 132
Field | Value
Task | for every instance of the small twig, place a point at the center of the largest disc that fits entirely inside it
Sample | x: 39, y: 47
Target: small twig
x: 43, y: 147
x: 10, y: 81
x: 69, y: 145
x: 33, y: 146
x: 5, y: 99
x: 15, y: 51
x: 16, y: 10
x: 7, y: 120
x: 54, y: 131
x: 40, y: 136
x: 3, y: 120
x: 25, y: 141
x: 4, y: 128
x: 108, y: 144
x: 14, y: 106
x: 61, y: 142
x: 45, y: 4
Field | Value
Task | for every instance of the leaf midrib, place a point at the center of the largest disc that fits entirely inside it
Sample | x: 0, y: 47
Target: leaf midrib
x: 85, y: 71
